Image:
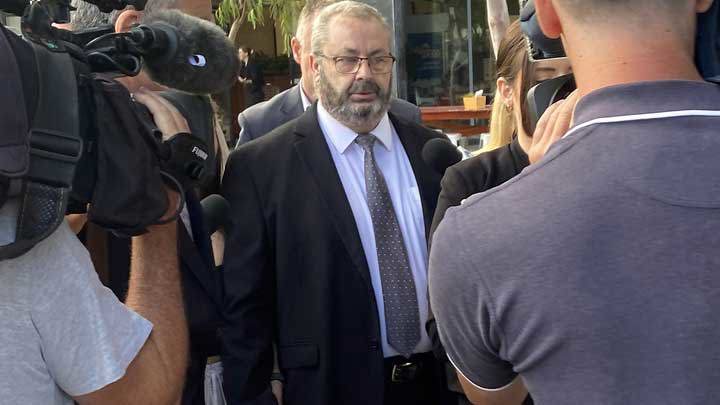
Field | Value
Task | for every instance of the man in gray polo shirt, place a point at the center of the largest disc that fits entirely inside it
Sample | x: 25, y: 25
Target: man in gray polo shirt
x: 593, y: 275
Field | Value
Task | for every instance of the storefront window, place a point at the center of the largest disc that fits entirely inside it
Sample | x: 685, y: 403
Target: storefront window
x: 437, y: 45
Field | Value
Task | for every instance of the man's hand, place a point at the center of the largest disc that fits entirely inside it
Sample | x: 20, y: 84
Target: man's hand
x: 167, y: 118
x: 552, y: 126
x: 170, y: 122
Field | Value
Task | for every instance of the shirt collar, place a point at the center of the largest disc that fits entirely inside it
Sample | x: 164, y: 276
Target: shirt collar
x: 647, y: 97
x: 342, y: 137
x: 305, y: 100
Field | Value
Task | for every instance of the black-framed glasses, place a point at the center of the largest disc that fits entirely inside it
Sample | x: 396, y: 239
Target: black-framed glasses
x: 351, y: 64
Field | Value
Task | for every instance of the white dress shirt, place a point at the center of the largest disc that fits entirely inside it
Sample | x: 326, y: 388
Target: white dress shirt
x: 393, y: 162
x: 305, y: 100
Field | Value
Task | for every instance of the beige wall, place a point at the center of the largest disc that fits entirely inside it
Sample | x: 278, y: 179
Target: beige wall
x: 261, y: 39
x: 197, y: 8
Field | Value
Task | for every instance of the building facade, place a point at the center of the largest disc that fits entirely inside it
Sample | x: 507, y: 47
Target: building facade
x: 443, y: 48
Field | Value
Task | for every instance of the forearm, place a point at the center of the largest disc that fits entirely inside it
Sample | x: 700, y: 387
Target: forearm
x: 156, y: 374
x: 155, y: 293
x: 498, y: 21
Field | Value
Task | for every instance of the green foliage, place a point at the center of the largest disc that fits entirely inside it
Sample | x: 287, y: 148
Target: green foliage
x: 283, y: 12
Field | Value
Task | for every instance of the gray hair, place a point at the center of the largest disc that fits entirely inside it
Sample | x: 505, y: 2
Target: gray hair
x: 88, y: 15
x: 307, y: 15
x: 352, y: 9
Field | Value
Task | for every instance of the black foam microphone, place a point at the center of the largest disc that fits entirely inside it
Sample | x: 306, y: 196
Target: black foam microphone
x: 440, y: 154
x: 185, y: 53
x: 216, y: 212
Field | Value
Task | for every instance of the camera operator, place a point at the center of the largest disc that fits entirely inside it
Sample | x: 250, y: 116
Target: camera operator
x: 195, y: 270
x: 596, y: 285
x: 65, y: 337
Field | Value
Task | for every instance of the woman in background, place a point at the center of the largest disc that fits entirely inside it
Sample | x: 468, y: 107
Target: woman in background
x: 251, y: 75
x: 506, y: 154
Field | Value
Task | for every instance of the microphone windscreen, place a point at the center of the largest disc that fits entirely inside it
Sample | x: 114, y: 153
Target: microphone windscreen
x: 205, y: 61
x: 216, y: 212
x: 440, y: 154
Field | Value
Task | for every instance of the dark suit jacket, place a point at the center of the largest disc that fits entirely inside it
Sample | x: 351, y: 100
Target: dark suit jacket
x: 202, y: 295
x: 262, y: 118
x: 296, y: 273
x: 477, y: 174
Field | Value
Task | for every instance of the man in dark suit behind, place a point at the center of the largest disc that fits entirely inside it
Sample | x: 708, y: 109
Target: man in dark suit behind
x: 327, y: 260
x: 262, y: 118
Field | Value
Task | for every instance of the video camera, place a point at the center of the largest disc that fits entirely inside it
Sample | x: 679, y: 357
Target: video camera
x: 541, y: 96
x: 74, y: 134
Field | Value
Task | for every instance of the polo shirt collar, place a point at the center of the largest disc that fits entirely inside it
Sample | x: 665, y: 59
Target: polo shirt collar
x: 647, y: 97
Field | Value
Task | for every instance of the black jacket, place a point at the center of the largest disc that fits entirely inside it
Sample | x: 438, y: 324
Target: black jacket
x: 296, y: 273
x: 478, y: 174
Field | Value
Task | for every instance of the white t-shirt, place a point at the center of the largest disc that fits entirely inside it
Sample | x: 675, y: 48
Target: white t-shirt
x: 62, y: 333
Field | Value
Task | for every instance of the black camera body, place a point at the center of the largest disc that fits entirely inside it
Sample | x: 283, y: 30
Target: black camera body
x: 87, y: 141
x: 540, y: 47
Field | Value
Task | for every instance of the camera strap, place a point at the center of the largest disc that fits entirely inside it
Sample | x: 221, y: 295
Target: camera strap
x: 55, y: 148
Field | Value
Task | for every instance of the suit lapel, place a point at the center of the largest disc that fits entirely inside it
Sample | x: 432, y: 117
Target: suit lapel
x: 196, y: 264
x: 313, y: 151
x: 427, y: 179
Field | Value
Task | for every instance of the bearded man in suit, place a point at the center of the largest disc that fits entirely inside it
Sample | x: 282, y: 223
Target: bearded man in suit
x: 327, y: 259
x: 262, y: 118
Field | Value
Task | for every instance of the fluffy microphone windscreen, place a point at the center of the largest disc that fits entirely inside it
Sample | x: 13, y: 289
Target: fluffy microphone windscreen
x: 205, y: 61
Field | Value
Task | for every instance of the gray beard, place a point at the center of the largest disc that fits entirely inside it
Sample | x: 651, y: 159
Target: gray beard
x: 339, y: 106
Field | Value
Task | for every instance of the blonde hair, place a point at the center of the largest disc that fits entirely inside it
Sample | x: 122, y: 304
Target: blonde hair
x: 352, y: 9
x: 512, y: 64
x: 502, y: 125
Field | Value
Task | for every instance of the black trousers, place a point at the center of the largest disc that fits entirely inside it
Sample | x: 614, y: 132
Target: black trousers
x: 426, y: 387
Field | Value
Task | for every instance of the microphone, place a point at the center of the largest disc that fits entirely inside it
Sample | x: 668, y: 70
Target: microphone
x: 440, y: 154
x: 215, y: 212
x: 185, y: 53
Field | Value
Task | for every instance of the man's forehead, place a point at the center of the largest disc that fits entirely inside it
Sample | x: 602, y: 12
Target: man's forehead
x: 373, y: 38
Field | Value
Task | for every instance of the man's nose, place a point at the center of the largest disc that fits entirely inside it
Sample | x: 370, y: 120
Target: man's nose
x: 364, y: 71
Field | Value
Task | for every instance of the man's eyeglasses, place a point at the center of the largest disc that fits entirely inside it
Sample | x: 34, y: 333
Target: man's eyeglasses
x: 351, y: 64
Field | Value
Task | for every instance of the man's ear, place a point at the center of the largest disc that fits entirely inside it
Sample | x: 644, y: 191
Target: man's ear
x: 548, y: 18
x: 505, y: 91
x: 127, y: 19
x: 296, y: 49
x: 314, y: 64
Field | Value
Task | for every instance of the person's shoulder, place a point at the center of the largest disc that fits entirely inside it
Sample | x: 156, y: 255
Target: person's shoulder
x: 472, y: 165
x: 266, y: 110
x: 478, y: 167
x: 58, y: 262
x: 402, y: 122
x: 267, y: 147
x: 405, y: 109
x: 404, y: 104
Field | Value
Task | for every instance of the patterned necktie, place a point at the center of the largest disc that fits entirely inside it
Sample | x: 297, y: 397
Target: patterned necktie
x: 402, y: 319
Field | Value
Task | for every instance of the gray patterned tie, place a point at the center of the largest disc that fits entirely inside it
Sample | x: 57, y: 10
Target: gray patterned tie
x: 402, y: 318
